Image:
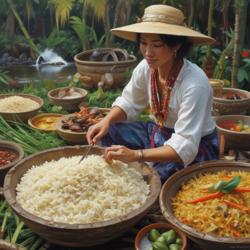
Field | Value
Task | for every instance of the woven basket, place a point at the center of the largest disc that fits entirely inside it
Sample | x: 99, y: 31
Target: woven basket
x: 223, y: 106
x: 77, y: 235
x: 106, y: 65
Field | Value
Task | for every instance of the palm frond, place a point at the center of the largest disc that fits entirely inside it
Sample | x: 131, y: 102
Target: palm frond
x: 63, y: 8
x: 98, y: 7
x: 80, y: 28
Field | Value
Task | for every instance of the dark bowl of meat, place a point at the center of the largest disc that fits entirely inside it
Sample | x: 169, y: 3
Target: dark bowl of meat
x: 10, y: 154
x: 73, y: 127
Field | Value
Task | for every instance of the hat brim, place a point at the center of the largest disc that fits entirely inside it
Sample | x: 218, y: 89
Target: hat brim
x: 129, y: 32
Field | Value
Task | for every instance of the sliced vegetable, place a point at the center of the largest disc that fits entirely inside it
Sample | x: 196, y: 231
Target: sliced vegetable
x: 242, y: 189
x: 237, y: 206
x: 207, y: 197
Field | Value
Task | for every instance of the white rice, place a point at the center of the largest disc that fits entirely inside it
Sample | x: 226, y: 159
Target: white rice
x: 92, y: 191
x: 14, y: 104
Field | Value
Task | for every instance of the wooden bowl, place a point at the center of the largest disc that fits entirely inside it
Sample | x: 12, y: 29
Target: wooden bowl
x: 67, y: 104
x: 172, y: 186
x: 23, y: 116
x: 16, y: 149
x: 234, y: 139
x: 77, y: 235
x: 72, y: 137
x: 44, y: 122
x: 223, y: 106
x: 142, y: 242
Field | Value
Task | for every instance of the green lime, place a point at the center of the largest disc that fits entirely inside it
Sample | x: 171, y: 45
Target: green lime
x: 153, y: 235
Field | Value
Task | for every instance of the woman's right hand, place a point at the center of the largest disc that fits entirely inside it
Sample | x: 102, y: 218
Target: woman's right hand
x: 97, y: 131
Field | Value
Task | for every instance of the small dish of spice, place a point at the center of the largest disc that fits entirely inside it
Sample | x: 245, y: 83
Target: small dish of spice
x: 45, y: 121
x: 7, y: 156
x: 10, y: 154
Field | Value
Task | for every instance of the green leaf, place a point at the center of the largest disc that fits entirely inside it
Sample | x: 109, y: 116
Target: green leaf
x: 242, y: 75
x: 231, y: 185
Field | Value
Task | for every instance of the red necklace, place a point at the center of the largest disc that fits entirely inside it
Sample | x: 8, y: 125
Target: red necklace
x: 160, y: 102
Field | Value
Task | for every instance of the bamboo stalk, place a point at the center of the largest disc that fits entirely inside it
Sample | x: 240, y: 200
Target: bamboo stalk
x: 22, y: 27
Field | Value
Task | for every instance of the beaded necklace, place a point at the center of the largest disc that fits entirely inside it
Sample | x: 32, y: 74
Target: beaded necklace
x: 160, y: 102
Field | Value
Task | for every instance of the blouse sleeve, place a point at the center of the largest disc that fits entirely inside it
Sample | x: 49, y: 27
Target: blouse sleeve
x: 134, y: 98
x: 194, y: 107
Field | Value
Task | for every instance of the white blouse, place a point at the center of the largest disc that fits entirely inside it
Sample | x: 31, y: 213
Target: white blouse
x: 190, y: 106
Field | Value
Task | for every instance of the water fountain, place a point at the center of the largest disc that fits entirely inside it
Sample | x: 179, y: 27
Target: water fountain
x: 48, y: 56
x: 48, y: 66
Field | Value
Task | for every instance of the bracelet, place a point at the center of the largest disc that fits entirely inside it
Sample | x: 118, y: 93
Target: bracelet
x: 141, y: 156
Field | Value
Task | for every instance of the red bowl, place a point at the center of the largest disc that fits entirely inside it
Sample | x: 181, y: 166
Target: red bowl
x: 161, y: 226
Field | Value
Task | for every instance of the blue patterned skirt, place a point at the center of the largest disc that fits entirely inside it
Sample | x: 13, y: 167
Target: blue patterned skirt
x: 143, y: 135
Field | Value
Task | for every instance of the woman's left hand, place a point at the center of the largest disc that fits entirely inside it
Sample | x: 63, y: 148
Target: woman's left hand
x: 121, y: 153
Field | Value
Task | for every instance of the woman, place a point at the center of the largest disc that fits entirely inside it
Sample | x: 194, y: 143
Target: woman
x: 177, y: 91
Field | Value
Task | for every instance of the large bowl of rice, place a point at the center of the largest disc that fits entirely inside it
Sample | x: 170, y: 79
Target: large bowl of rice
x: 78, y: 204
x: 19, y: 107
x: 219, y: 223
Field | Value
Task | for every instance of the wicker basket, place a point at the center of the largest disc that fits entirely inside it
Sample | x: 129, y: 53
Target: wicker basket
x: 77, y: 235
x: 172, y: 186
x: 223, y: 106
x: 106, y: 65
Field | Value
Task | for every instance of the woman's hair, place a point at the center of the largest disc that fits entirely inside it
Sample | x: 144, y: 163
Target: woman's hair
x: 172, y: 41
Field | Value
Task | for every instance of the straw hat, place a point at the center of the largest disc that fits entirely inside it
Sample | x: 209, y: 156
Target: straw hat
x: 162, y: 19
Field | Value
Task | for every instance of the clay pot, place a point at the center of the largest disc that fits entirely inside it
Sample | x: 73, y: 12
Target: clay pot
x: 222, y: 105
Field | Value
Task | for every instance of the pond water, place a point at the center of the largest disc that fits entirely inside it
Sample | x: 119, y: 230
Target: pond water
x: 33, y: 73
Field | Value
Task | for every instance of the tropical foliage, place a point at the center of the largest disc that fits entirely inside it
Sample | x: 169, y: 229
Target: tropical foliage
x: 70, y: 26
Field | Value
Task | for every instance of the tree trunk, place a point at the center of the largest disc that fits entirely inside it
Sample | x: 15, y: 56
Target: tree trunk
x: 239, y: 32
x: 225, y: 7
x: 106, y: 24
x: 22, y: 27
x: 122, y: 14
x: 191, y: 12
x: 10, y: 25
x: 207, y: 62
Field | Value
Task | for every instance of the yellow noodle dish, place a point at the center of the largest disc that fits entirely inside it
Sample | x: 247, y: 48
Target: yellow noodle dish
x: 216, y: 203
x: 45, y: 122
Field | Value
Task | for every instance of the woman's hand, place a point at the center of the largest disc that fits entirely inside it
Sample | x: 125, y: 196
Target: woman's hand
x: 97, y: 131
x: 121, y: 153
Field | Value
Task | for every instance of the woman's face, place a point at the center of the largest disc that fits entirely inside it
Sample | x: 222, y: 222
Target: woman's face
x: 155, y: 51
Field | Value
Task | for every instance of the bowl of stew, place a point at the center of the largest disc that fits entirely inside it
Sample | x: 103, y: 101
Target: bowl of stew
x: 236, y: 131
